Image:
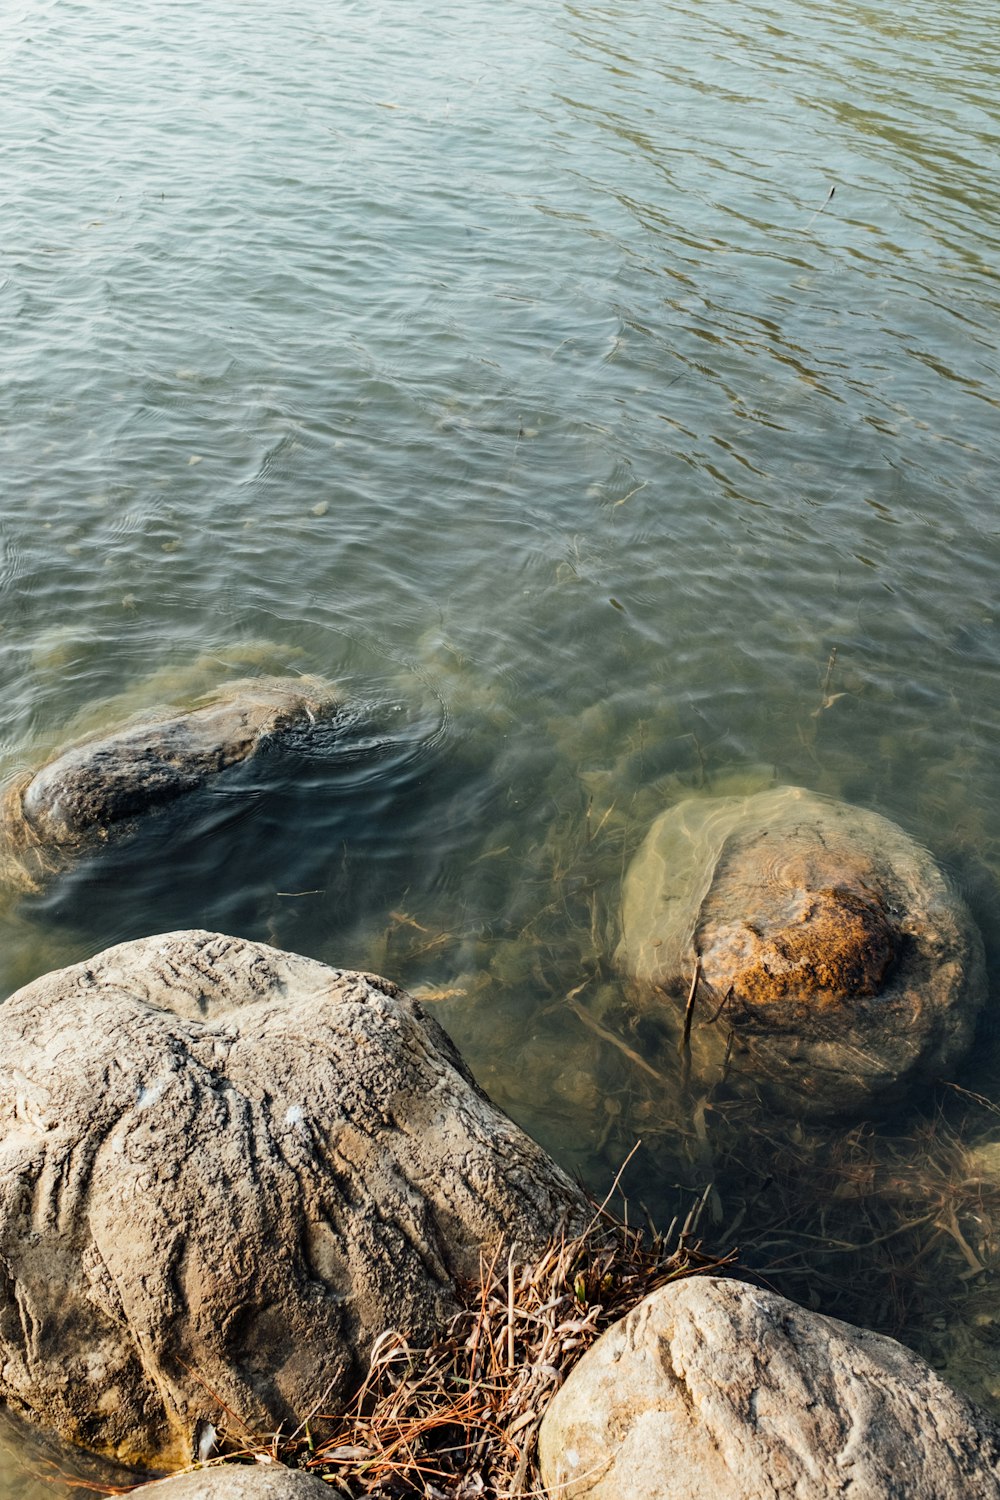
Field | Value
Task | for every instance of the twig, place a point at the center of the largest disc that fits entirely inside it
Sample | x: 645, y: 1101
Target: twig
x: 727, y: 999
x: 611, y: 1192
x: 616, y: 1041
x: 831, y: 663
x: 824, y: 204
x: 685, y: 1042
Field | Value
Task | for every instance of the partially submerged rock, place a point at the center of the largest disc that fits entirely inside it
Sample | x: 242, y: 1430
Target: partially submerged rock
x: 224, y: 1171
x: 103, y: 785
x: 829, y: 944
x: 711, y: 1387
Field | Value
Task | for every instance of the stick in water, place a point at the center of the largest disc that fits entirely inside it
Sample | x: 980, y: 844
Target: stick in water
x: 685, y: 1046
x: 823, y: 205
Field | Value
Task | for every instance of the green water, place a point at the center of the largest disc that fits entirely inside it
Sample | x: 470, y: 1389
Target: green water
x: 514, y: 367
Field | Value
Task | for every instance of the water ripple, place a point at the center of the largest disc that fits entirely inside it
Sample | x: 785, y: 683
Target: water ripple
x: 583, y: 378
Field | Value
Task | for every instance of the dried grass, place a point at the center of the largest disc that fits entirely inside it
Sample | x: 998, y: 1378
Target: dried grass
x: 458, y: 1420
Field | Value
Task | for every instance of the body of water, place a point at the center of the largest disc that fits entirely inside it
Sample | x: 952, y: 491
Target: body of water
x: 606, y: 396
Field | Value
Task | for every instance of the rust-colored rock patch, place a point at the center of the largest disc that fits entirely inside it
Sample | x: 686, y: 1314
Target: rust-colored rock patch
x: 838, y: 946
x: 840, y: 968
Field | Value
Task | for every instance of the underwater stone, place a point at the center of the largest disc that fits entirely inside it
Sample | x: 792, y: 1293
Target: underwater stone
x: 832, y: 950
x: 224, y: 1172
x: 104, y: 784
x: 714, y: 1388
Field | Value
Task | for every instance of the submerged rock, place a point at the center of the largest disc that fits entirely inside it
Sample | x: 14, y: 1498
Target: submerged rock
x: 104, y: 784
x: 711, y: 1387
x: 224, y: 1171
x: 831, y: 949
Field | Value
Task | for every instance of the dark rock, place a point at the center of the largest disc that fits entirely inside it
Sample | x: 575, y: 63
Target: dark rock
x: 100, y: 787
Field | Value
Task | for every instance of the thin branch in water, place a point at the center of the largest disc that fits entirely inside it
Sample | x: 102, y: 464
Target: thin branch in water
x: 684, y: 1046
x: 609, y: 1036
x: 611, y: 1190
x: 825, y: 204
x: 685, y: 1043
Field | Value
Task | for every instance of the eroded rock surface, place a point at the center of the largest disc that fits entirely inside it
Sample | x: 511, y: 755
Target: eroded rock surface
x: 711, y: 1387
x: 830, y: 946
x: 238, y: 1482
x: 224, y: 1170
x: 101, y: 786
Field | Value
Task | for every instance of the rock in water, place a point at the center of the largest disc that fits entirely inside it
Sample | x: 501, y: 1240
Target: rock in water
x: 714, y: 1388
x: 831, y: 947
x: 104, y: 784
x: 224, y: 1171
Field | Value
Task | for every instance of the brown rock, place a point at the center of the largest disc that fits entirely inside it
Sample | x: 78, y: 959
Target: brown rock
x: 713, y: 1388
x: 830, y: 946
x: 224, y: 1171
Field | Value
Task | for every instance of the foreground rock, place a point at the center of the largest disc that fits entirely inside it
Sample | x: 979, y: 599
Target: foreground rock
x: 710, y: 1387
x: 224, y: 1171
x: 830, y: 946
x: 239, y: 1482
x: 103, y: 785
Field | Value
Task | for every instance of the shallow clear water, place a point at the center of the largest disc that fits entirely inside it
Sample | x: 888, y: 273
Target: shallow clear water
x: 516, y: 369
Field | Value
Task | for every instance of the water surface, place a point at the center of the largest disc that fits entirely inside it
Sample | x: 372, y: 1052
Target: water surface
x: 517, y: 370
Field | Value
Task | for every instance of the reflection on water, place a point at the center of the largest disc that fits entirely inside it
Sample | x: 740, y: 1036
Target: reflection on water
x: 519, y: 372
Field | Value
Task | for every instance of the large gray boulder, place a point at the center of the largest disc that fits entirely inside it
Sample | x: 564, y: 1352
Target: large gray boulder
x: 832, y: 950
x: 713, y: 1388
x: 101, y: 786
x: 224, y: 1171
